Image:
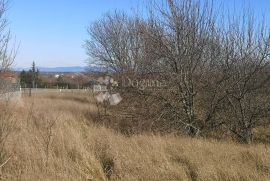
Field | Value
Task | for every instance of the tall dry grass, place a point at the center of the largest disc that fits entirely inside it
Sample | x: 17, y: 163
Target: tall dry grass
x: 53, y: 139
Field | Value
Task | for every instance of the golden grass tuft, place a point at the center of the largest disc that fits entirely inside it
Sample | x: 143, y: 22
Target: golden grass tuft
x: 54, y: 140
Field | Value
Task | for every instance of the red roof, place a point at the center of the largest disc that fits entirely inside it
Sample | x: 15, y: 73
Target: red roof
x: 8, y: 74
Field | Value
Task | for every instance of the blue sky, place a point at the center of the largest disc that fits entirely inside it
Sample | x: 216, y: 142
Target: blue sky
x: 52, y: 32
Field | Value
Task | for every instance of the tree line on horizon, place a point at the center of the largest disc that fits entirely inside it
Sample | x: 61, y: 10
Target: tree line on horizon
x: 34, y: 79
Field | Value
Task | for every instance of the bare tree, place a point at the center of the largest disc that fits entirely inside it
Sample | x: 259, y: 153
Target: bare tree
x: 185, y: 32
x: 247, y: 69
x: 7, y: 56
x: 115, y: 42
x: 7, y: 53
x: 215, y: 68
x: 210, y: 67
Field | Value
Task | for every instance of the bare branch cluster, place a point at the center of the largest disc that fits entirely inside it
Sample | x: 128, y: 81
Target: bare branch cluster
x: 7, y: 51
x: 216, y: 68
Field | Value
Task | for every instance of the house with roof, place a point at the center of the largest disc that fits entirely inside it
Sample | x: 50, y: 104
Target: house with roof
x: 9, y: 86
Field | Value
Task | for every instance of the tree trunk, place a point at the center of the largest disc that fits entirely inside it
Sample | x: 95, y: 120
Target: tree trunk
x: 247, y: 136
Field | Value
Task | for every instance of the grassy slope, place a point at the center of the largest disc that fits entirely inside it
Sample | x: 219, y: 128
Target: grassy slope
x: 75, y: 149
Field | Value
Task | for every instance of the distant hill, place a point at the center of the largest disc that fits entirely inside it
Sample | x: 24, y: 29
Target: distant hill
x: 65, y: 69
x: 62, y: 69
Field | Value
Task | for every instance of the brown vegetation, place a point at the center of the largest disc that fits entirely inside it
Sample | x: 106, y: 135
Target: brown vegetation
x: 52, y: 138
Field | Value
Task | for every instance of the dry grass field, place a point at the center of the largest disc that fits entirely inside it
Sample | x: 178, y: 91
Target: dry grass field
x: 50, y: 138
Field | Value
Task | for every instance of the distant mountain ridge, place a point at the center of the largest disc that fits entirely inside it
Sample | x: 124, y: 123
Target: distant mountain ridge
x: 65, y: 69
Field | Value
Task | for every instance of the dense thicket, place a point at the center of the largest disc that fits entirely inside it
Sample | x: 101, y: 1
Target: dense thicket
x: 215, y: 69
